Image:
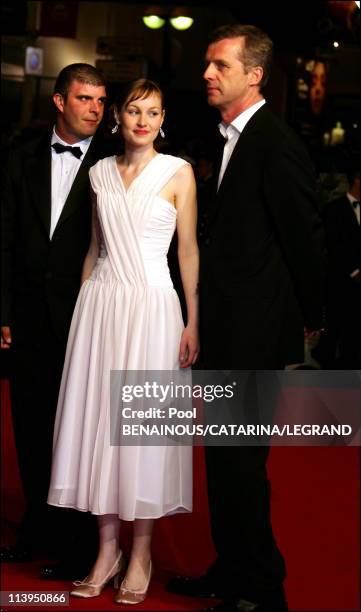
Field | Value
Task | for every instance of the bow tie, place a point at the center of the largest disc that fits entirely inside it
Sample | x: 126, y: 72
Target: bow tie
x: 355, y: 204
x: 59, y: 148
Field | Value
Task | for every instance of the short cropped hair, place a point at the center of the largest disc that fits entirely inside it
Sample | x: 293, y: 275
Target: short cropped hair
x: 258, y: 48
x: 84, y: 73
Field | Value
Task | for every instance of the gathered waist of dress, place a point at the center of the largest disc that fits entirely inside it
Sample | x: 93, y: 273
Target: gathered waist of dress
x: 156, y: 273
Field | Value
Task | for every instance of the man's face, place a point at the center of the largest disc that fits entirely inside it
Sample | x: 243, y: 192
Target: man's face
x: 228, y: 85
x: 80, y: 112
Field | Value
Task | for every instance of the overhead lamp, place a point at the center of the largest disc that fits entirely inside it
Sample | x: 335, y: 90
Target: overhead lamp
x: 180, y: 18
x: 154, y: 22
x: 155, y: 18
x: 181, y: 22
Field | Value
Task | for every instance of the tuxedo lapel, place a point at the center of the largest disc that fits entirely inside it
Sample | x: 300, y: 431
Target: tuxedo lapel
x: 79, y: 186
x: 350, y: 219
x: 37, y: 171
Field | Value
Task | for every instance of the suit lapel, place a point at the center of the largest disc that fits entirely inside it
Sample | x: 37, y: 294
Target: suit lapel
x: 79, y: 186
x: 38, y: 178
x: 219, y: 145
x: 233, y: 166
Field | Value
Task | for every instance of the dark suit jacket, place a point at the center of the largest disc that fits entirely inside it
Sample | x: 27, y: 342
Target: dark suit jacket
x: 262, y: 258
x: 39, y: 274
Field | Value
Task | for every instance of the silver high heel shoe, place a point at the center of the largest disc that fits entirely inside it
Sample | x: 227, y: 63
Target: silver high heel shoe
x: 133, y: 596
x: 86, y: 589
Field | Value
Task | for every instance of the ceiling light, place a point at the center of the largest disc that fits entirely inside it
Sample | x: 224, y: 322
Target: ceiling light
x: 181, y: 22
x: 154, y: 22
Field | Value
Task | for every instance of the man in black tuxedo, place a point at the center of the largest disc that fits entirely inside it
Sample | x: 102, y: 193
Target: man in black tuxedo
x: 46, y: 233
x: 343, y: 241
x: 261, y: 283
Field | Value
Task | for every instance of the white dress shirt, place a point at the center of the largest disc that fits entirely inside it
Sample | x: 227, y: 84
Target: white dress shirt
x: 64, y: 168
x: 231, y: 133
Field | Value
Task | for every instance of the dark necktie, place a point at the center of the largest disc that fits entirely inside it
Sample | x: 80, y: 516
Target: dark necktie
x: 355, y: 204
x: 59, y: 148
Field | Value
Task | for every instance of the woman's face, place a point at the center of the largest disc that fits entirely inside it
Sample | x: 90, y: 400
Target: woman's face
x: 141, y: 119
x: 318, y: 88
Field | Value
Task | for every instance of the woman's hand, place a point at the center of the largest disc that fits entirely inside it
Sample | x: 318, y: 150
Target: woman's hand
x: 189, y: 346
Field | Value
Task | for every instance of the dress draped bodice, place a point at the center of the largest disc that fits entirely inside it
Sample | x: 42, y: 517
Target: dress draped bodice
x: 137, y: 224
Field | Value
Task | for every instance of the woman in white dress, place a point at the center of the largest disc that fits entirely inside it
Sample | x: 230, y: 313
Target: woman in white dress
x: 128, y: 317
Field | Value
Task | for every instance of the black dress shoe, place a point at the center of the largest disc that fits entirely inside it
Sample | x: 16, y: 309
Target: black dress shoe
x: 246, y: 606
x: 241, y: 605
x: 195, y: 587
x: 225, y: 606
x: 63, y: 571
x: 15, y: 554
x: 272, y: 607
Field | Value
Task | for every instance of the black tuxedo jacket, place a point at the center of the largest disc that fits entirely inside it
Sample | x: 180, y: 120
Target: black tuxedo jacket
x: 39, y: 274
x: 262, y: 257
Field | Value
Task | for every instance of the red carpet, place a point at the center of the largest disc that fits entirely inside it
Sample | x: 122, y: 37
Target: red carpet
x: 315, y: 506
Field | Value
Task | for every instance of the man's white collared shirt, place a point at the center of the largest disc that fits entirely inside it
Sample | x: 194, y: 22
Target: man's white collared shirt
x: 231, y: 133
x: 64, y: 168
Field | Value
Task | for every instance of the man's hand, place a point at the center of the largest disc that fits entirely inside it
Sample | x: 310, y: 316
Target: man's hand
x: 5, y: 337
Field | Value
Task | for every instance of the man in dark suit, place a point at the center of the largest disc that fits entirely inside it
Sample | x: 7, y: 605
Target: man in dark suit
x: 343, y: 240
x: 261, y: 280
x: 46, y: 233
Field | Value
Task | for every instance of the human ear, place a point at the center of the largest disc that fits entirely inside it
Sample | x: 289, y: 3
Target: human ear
x: 255, y: 75
x: 59, y: 102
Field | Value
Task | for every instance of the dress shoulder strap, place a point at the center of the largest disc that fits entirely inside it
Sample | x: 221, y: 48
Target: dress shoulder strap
x: 159, y: 172
x: 101, y: 173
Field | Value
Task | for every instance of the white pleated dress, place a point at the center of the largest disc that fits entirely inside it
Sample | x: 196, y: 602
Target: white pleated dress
x: 127, y: 317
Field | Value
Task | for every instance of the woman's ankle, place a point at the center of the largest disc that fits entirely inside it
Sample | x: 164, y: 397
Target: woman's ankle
x: 107, y: 558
